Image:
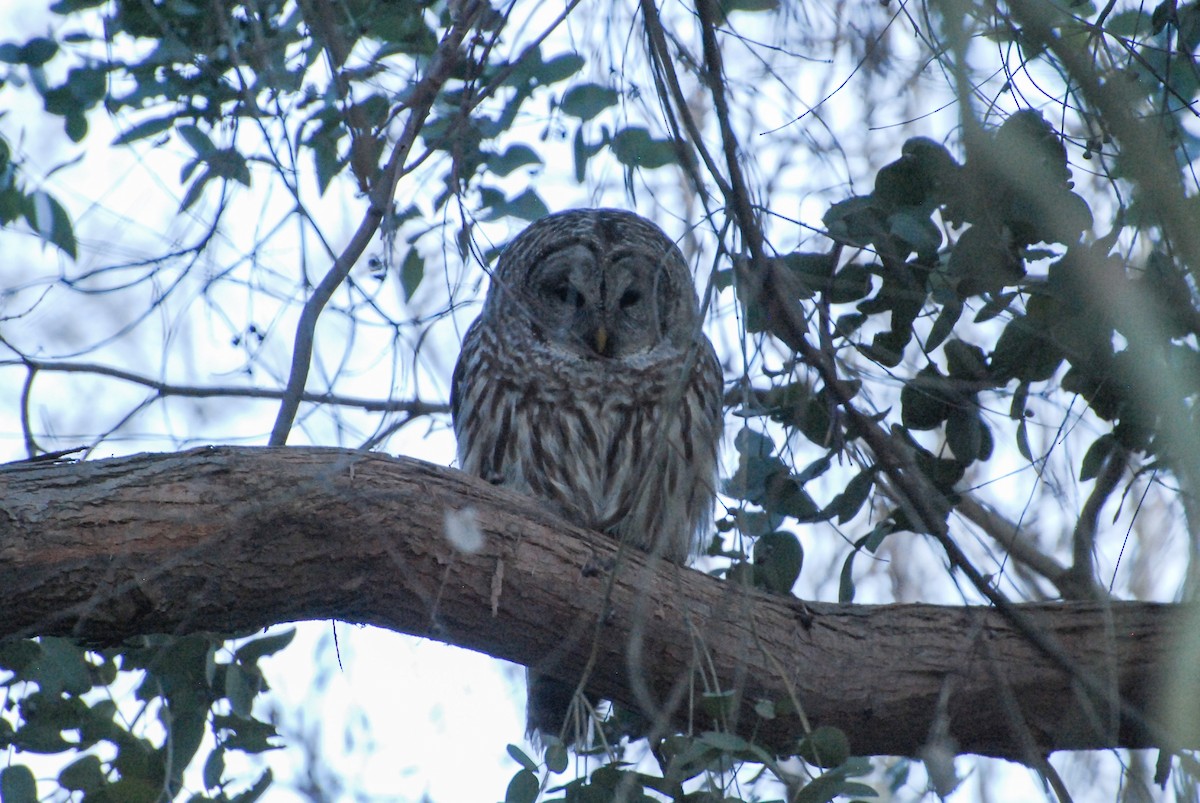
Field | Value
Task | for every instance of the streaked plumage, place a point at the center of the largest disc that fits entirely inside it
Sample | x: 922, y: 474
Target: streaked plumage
x: 587, y: 382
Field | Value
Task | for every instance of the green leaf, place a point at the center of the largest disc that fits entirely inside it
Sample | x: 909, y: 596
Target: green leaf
x: 966, y: 361
x: 582, y: 152
x: 47, y: 217
x: 585, y: 101
x: 527, y: 206
x: 749, y: 5
x: 241, y: 687
x: 847, y: 504
x: 778, y: 557
x: 825, y: 747
x: 1016, y: 410
x: 887, y: 348
x: 523, y: 788
x: 846, y: 579
x: 252, y: 651
x: 146, y: 128
x: 849, y: 323
x: 944, y: 325
x: 247, y: 735
x: 765, y: 709
x: 65, y: 7
x: 827, y: 787
x: 1023, y: 441
x: 515, y: 157
x: 197, y: 139
x: 84, y: 775
x: 996, y: 305
x: 519, y: 756
x: 917, y: 230
x: 964, y: 434
x: 983, y: 262
x: 214, y: 768
x: 634, y: 147
x: 1024, y: 353
x: 753, y: 443
x: 229, y: 163
x: 725, y: 742
x: 855, y: 221
x: 87, y: 85
x: 1097, y: 455
x: 60, y: 100
x: 326, y: 161
x: 814, y: 469
x: 851, y: 283
x: 19, y: 655
x: 556, y: 757
x: 787, y: 497
x: 62, y: 668
x: 560, y: 68
x: 1128, y: 23
x: 76, y: 126
x: 195, y: 190
x: 17, y: 785
x: 718, y: 704
x: 37, y: 51
x: 924, y: 400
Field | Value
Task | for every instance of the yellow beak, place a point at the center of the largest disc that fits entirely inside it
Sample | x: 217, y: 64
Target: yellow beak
x: 601, y: 340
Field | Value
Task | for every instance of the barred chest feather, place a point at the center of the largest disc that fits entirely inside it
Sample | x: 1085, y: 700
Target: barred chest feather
x: 627, y: 447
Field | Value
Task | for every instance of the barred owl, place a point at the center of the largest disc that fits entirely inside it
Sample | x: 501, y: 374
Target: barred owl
x: 587, y: 383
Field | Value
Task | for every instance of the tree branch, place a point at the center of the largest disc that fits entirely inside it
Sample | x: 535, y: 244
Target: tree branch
x: 234, y: 539
x: 413, y: 406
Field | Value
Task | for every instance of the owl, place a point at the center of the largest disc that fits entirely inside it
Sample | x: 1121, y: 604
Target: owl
x: 587, y: 383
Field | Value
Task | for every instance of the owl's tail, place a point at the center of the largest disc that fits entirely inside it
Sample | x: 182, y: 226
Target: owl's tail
x: 552, y: 710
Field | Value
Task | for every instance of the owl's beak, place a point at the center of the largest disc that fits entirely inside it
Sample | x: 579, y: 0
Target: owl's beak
x: 600, y: 340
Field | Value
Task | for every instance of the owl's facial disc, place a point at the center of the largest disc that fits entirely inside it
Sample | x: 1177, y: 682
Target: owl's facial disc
x: 593, y: 307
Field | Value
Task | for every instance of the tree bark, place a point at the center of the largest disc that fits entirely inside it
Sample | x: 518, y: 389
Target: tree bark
x: 234, y: 539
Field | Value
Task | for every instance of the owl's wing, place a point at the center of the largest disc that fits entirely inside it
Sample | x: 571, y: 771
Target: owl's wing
x: 482, y: 413
x: 467, y: 361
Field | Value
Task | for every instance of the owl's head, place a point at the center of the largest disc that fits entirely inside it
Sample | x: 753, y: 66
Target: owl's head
x: 600, y: 283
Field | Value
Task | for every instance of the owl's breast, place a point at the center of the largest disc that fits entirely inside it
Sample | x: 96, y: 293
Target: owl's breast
x: 605, y: 443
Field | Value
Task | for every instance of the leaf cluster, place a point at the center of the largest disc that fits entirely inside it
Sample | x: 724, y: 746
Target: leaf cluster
x: 706, y: 765
x: 949, y: 237
x: 57, y: 695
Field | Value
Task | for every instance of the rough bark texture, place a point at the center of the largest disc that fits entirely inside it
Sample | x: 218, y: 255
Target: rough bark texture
x: 233, y: 539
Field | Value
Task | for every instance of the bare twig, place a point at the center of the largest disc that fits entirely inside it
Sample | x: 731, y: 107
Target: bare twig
x: 410, y: 406
x: 738, y: 197
x: 421, y: 100
x: 1021, y: 549
x: 661, y: 56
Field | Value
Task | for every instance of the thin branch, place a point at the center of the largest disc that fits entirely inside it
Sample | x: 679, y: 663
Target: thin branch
x: 662, y: 57
x: 1020, y: 548
x: 412, y: 407
x: 1082, y: 575
x: 421, y: 101
x: 738, y: 199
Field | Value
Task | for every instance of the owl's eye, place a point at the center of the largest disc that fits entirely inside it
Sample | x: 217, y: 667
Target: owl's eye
x: 629, y: 298
x: 564, y: 293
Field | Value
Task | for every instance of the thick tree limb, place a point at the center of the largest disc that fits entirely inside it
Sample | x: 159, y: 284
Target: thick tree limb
x: 233, y: 539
